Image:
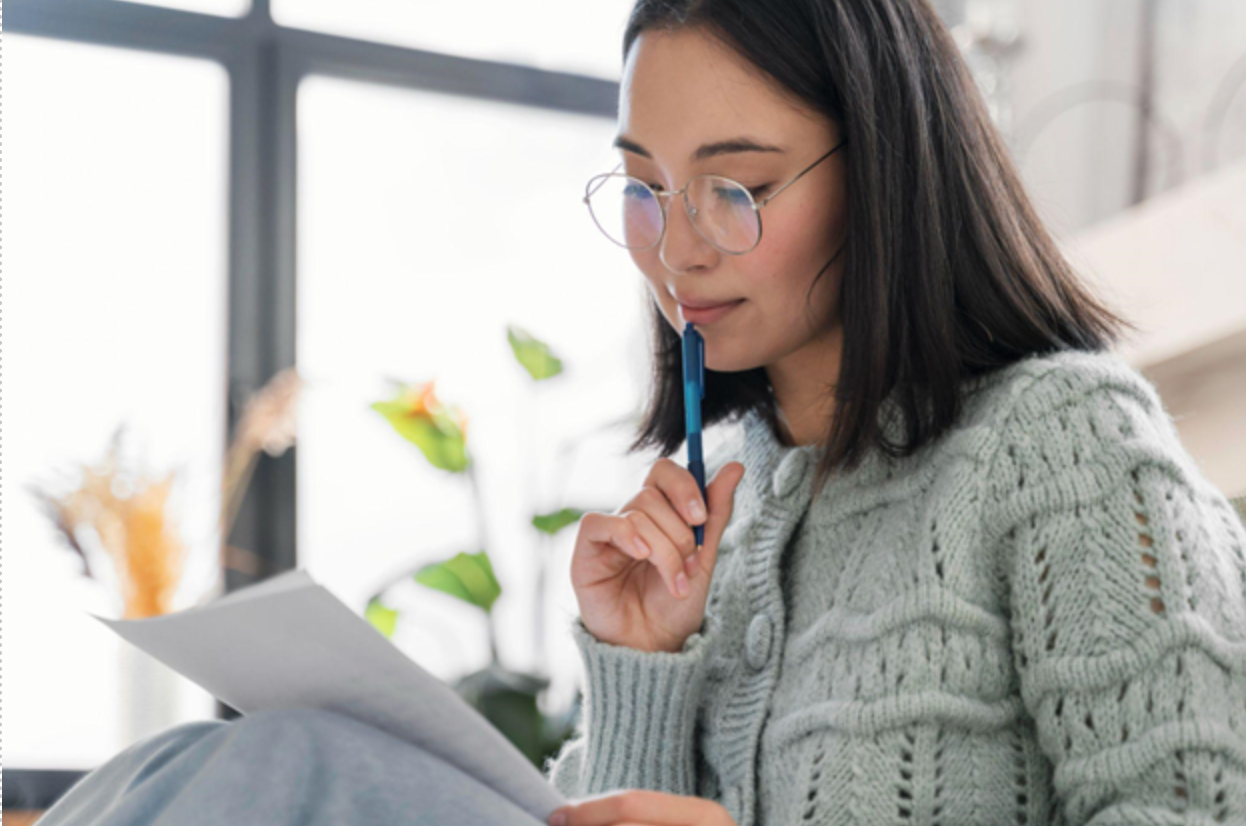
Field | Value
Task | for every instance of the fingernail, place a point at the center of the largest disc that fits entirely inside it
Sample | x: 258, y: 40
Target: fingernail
x: 681, y: 584
x: 557, y: 819
x: 694, y: 507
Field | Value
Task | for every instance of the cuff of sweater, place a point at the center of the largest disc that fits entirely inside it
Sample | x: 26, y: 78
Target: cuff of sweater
x: 640, y: 712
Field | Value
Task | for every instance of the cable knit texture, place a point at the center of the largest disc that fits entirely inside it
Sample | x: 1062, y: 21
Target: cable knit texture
x: 1038, y: 619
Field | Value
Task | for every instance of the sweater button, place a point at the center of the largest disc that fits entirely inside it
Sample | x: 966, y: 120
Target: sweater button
x: 758, y: 640
x: 791, y: 470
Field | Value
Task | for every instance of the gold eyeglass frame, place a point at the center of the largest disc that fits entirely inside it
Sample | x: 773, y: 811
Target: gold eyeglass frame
x: 688, y: 208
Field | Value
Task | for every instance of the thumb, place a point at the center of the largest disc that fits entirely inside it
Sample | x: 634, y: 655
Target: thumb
x: 720, y: 496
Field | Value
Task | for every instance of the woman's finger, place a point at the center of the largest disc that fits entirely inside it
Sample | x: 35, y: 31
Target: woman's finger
x: 666, y: 557
x: 647, y: 807
x: 680, y: 487
x: 634, y: 535
x: 658, y: 504
x: 615, y: 531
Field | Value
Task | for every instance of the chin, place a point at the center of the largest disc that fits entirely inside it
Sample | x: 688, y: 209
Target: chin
x: 721, y: 357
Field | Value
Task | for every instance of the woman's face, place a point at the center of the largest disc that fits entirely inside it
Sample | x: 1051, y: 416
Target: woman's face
x: 681, y: 90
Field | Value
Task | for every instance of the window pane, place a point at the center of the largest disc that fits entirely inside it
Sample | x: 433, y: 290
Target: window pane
x: 427, y: 224
x: 564, y: 35
x: 223, y: 8
x: 114, y: 313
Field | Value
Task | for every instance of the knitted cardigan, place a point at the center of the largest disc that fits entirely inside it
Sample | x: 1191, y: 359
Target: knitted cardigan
x: 1039, y: 618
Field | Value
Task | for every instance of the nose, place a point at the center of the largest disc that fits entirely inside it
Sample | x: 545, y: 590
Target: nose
x: 682, y: 245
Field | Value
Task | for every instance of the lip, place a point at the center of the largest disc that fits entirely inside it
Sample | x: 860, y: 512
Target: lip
x: 707, y: 315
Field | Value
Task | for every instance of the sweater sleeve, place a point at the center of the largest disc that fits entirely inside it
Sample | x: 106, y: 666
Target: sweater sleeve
x: 638, y: 719
x: 1126, y: 581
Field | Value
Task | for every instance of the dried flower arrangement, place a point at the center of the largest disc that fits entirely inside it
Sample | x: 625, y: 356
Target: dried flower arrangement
x: 124, y: 512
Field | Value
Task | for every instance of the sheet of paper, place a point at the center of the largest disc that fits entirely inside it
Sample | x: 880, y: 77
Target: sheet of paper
x: 288, y: 642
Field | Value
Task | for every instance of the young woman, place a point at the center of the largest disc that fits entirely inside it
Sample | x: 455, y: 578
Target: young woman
x: 957, y: 567
x: 970, y: 576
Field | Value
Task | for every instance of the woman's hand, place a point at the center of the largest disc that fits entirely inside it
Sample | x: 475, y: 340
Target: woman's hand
x: 642, y: 807
x: 627, y: 566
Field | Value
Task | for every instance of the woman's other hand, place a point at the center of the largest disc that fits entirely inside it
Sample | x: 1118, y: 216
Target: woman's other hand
x: 641, y: 807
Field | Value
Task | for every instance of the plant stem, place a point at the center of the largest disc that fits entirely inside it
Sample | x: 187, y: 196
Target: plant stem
x: 482, y: 541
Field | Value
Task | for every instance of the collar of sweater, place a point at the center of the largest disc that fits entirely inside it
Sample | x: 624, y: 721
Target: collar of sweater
x: 785, y: 472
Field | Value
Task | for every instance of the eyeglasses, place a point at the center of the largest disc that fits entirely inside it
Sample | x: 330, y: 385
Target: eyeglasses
x: 724, y: 212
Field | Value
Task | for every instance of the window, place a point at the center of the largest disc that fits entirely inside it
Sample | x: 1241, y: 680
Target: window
x: 115, y: 249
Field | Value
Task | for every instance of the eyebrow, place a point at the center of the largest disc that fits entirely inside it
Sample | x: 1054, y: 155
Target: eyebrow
x: 709, y: 150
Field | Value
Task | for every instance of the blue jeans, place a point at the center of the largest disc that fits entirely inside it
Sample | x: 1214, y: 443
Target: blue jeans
x: 280, y: 768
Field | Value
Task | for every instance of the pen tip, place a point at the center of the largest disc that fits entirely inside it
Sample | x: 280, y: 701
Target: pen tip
x: 698, y: 548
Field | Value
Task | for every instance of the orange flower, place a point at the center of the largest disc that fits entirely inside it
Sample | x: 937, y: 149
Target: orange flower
x: 421, y: 399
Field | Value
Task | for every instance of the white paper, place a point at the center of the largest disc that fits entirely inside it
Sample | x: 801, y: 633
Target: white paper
x: 288, y: 643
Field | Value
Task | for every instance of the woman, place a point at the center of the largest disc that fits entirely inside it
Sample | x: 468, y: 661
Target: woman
x: 970, y: 576
x: 957, y: 567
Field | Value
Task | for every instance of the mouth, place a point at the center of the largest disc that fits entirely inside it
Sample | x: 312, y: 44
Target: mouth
x: 707, y: 314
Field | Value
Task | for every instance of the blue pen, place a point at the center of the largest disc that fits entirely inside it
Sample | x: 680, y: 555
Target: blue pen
x: 694, y: 391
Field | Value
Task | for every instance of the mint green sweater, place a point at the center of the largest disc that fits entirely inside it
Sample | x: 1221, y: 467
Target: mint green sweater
x: 1038, y: 619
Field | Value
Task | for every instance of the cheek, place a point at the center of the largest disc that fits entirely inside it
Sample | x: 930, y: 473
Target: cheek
x: 782, y: 262
x: 647, y: 264
x: 794, y: 248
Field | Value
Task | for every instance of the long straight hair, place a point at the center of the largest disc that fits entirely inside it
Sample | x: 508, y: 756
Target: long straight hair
x: 948, y: 272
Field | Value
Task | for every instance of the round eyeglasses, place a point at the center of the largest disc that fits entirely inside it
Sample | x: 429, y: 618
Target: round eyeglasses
x: 724, y: 212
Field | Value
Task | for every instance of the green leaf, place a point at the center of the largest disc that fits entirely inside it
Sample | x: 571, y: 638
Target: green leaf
x: 437, y: 435
x: 466, y: 576
x: 552, y: 523
x: 383, y: 618
x: 533, y: 354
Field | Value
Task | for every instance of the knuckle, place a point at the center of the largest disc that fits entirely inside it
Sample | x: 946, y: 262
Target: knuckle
x: 633, y: 522
x: 660, y: 467
x: 650, y: 496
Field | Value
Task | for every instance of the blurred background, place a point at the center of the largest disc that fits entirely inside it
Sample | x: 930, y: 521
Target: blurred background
x: 254, y: 235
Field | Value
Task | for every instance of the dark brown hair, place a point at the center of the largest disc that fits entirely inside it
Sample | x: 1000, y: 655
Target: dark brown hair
x: 948, y: 272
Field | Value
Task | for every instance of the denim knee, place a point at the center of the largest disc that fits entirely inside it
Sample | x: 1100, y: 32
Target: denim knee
x: 158, y: 749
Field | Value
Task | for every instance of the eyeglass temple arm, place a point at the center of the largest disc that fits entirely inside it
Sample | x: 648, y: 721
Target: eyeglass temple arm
x: 801, y: 174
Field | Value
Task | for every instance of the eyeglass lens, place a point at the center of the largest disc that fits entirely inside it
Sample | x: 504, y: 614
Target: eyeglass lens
x: 630, y: 214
